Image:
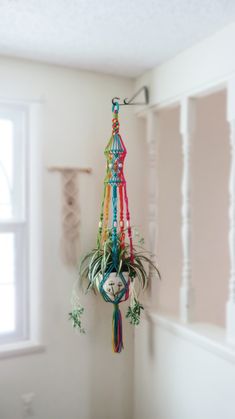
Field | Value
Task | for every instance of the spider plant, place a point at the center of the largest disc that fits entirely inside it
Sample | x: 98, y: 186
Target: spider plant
x: 96, y: 263
x: 99, y: 260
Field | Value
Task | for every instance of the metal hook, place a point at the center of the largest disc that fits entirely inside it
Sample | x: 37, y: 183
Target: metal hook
x: 127, y: 102
x: 115, y: 100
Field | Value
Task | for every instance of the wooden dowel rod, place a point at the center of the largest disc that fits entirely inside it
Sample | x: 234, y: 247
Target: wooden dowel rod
x: 63, y: 168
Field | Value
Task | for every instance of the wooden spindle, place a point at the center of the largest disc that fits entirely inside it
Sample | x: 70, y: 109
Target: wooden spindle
x: 152, y: 186
x: 230, y: 308
x: 187, y: 123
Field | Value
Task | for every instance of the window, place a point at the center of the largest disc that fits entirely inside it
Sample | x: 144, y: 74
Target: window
x: 13, y: 224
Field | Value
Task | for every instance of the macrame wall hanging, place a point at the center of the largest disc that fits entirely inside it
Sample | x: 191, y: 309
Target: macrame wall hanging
x: 116, y: 268
x: 70, y: 213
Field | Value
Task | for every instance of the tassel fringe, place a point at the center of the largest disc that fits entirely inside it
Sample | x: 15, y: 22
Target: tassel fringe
x: 117, y: 330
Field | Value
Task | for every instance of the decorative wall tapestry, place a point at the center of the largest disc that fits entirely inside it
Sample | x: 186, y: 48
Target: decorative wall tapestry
x: 116, y: 268
x: 70, y: 213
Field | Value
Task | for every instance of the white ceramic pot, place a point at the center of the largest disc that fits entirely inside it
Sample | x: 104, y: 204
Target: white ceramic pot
x: 113, y: 285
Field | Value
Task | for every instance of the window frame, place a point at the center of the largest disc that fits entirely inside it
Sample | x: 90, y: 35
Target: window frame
x: 18, y: 224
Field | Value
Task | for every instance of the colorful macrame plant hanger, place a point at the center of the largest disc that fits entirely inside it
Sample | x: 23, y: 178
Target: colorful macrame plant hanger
x: 114, y: 286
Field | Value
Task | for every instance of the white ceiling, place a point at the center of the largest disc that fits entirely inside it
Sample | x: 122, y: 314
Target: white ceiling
x: 124, y: 37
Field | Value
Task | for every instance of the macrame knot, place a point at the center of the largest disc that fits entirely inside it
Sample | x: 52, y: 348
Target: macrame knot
x: 115, y: 125
x: 70, y: 217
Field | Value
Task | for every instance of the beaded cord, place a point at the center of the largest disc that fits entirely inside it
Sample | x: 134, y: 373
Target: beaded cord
x: 115, y: 192
x: 115, y: 153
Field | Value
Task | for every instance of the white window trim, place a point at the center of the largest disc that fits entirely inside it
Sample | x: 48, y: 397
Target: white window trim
x: 30, y: 340
x: 19, y: 228
x: 18, y: 224
x: 20, y: 348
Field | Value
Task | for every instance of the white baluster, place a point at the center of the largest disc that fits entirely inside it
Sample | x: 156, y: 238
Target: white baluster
x: 230, y: 309
x: 187, y: 123
x: 152, y: 185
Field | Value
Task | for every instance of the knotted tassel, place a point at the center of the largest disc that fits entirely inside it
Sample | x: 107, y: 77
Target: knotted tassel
x: 117, y: 329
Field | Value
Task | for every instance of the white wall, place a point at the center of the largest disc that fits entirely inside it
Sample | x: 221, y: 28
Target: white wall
x: 176, y: 379
x: 210, y: 202
x: 207, y: 63
x: 165, y: 293
x: 77, y: 376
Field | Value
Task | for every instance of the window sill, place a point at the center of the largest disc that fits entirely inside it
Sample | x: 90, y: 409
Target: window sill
x: 20, y: 348
x: 209, y: 337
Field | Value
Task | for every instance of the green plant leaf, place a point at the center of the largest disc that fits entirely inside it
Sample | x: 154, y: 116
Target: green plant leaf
x: 75, y: 317
x: 134, y: 312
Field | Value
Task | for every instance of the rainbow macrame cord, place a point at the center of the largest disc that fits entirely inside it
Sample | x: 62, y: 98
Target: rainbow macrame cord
x: 115, y: 193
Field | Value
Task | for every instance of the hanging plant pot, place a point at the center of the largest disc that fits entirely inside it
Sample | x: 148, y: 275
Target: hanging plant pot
x: 116, y: 268
x: 114, y: 287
